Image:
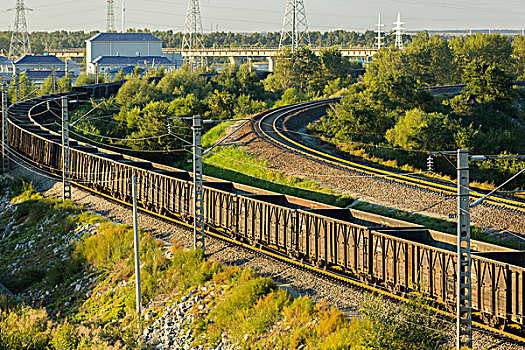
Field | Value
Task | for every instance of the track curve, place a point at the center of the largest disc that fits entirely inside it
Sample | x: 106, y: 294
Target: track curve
x: 270, y: 126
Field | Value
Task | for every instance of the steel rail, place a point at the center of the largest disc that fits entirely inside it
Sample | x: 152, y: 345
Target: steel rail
x: 269, y: 127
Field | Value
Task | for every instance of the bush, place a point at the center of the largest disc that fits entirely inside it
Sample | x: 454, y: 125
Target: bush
x: 189, y: 269
x: 228, y: 312
x: 64, y: 269
x: 24, y: 328
x: 112, y: 243
x: 413, y: 325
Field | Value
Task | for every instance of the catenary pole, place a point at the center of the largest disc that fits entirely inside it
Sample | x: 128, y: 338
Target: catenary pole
x: 464, y: 287
x: 136, y: 242
x: 198, y: 199
x: 5, y: 130
x: 66, y: 152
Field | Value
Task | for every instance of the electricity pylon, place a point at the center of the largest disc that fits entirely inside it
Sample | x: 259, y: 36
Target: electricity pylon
x: 20, y: 45
x: 193, y: 34
x: 380, y: 32
x: 110, y: 19
x: 399, y: 31
x: 295, y: 26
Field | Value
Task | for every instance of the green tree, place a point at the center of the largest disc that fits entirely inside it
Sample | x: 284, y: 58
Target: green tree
x: 428, y: 60
x: 137, y: 91
x: 487, y: 82
x: 518, y: 56
x: 493, y: 48
x: 85, y: 79
x: 183, y: 82
x: 334, y: 66
x: 300, y: 69
x: 27, y: 88
x: 417, y: 130
x: 221, y: 105
x: 120, y: 76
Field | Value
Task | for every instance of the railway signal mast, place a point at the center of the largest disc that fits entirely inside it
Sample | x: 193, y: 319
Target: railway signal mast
x: 295, y: 27
x: 193, y: 34
x: 399, y: 31
x: 20, y: 45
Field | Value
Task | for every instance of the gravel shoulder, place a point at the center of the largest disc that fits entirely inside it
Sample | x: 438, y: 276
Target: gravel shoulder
x: 498, y: 222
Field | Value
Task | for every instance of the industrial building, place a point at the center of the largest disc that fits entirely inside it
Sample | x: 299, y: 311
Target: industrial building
x: 108, y: 53
x: 38, y: 68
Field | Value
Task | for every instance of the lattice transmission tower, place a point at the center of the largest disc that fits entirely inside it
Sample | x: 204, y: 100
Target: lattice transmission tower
x: 110, y: 19
x: 193, y: 34
x: 295, y: 27
x: 399, y: 31
x: 20, y: 45
x: 380, y: 33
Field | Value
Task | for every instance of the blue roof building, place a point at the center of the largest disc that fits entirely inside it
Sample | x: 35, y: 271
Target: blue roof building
x: 111, y: 65
x: 124, y: 37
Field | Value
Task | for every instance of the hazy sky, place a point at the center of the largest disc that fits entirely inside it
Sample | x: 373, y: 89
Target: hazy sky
x: 266, y: 15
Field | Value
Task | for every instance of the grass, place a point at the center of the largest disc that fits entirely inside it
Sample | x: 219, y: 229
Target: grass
x: 255, y: 172
x: 215, y: 134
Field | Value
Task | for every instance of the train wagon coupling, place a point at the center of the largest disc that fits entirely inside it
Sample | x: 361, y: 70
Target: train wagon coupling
x: 374, y: 252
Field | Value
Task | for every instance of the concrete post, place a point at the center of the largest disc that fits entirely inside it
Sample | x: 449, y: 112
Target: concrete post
x: 198, y: 195
x: 464, y: 287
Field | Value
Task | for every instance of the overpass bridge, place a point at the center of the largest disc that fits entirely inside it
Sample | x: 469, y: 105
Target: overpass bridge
x: 266, y: 53
x: 232, y: 54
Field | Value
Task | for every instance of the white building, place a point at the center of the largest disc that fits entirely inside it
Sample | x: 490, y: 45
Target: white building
x: 122, y: 44
x: 109, y: 53
x: 111, y: 65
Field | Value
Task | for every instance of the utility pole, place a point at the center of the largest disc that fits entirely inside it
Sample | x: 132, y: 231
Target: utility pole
x: 464, y: 287
x: 399, y: 31
x: 5, y: 130
x: 110, y: 18
x: 66, y: 152
x: 198, y: 195
x: 123, y: 17
x: 193, y: 34
x: 17, y: 80
x: 379, y: 31
x: 295, y: 26
x: 20, y: 45
x: 136, y: 243
x: 96, y: 73
x: 53, y: 81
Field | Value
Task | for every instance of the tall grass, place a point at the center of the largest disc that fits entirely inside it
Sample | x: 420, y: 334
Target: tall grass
x: 255, y: 172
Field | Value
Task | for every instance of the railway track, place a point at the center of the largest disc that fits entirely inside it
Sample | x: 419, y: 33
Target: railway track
x: 241, y: 220
x: 270, y: 126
